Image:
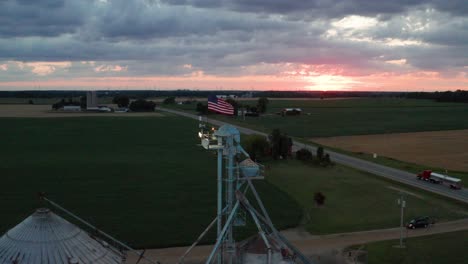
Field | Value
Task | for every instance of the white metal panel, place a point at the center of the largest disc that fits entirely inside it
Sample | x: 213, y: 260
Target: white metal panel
x: 444, y: 177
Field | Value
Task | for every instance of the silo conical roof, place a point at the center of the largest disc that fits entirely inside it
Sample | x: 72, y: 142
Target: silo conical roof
x: 45, y: 237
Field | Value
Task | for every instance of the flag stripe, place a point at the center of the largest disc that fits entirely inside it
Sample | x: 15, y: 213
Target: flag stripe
x: 220, y: 106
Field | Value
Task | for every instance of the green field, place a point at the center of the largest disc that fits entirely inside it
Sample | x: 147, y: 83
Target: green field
x: 143, y: 180
x: 355, y: 200
x: 327, y: 118
x: 146, y: 181
x: 432, y: 249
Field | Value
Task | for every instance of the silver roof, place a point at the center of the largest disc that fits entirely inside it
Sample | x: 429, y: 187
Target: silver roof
x: 45, y: 237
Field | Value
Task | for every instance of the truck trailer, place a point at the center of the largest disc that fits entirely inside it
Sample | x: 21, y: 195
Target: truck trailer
x: 437, y: 178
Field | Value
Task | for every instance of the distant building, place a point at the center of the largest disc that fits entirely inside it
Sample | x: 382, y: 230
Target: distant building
x: 223, y: 96
x: 72, y: 108
x: 247, y: 95
x: 91, y: 100
x: 291, y: 111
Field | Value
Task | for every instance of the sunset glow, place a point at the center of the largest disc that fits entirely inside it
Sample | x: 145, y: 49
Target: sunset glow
x: 233, y: 45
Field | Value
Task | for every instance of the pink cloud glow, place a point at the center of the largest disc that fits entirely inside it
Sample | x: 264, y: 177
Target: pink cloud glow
x: 415, y: 81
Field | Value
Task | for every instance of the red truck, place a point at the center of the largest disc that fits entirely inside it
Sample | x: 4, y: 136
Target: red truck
x: 428, y: 175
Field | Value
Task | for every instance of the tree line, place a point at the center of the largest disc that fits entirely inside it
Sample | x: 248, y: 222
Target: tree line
x: 142, y: 94
x: 458, y: 96
x: 278, y: 145
x: 123, y: 101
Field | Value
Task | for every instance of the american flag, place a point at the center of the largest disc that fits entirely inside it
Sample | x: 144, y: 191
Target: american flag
x: 219, y: 105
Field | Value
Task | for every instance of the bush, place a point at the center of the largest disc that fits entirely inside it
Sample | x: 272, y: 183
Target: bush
x: 142, y: 106
x: 304, y: 154
x: 319, y: 198
x: 323, y: 158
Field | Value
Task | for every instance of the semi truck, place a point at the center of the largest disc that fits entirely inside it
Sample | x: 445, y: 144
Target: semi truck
x: 437, y: 178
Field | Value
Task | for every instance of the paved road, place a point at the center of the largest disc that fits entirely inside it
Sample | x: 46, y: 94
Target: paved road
x: 374, y: 168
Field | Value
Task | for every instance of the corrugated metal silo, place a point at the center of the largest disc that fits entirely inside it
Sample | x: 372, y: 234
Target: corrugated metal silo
x: 45, y: 237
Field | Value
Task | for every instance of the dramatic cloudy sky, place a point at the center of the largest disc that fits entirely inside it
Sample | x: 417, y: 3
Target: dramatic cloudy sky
x: 234, y: 44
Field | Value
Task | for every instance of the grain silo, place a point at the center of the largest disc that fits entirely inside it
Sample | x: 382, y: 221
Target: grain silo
x: 91, y: 100
x: 45, y: 237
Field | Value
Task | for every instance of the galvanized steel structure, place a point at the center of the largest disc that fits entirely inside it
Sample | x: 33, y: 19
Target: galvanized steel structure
x: 45, y: 237
x: 234, y: 176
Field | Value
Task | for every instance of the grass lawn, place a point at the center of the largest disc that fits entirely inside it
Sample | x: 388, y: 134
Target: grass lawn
x: 354, y: 200
x: 326, y: 118
x: 434, y: 249
x: 142, y: 179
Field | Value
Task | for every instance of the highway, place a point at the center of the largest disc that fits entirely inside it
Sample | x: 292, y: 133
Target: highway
x: 363, y: 165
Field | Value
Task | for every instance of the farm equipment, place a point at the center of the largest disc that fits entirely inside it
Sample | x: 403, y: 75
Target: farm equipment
x: 437, y: 178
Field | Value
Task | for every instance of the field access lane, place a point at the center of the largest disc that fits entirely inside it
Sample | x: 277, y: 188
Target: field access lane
x: 374, y: 168
x: 309, y: 244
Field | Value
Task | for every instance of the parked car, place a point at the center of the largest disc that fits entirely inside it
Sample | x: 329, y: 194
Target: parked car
x: 422, y: 221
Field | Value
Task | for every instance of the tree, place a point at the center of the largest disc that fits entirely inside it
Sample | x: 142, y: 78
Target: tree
x: 275, y: 141
x: 64, y: 102
x: 234, y: 104
x: 262, y: 104
x: 169, y: 100
x: 286, y: 143
x: 320, y: 153
x: 256, y: 145
x: 142, y: 106
x: 83, y: 102
x: 121, y: 100
x: 319, y: 198
x: 280, y: 144
x: 202, y: 108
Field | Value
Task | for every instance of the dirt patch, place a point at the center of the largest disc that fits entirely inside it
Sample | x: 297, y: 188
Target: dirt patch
x: 444, y: 149
x: 320, y: 249
x: 44, y: 111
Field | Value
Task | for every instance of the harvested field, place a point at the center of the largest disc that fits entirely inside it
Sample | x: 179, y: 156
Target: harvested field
x: 443, y: 149
x: 44, y: 111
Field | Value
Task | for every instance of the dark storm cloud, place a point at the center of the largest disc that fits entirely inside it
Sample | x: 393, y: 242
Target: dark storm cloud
x: 223, y: 37
x: 326, y: 8
x: 42, y: 17
x: 140, y: 20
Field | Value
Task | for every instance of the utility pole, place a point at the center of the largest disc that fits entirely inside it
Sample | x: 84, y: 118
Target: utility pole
x: 402, y: 204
